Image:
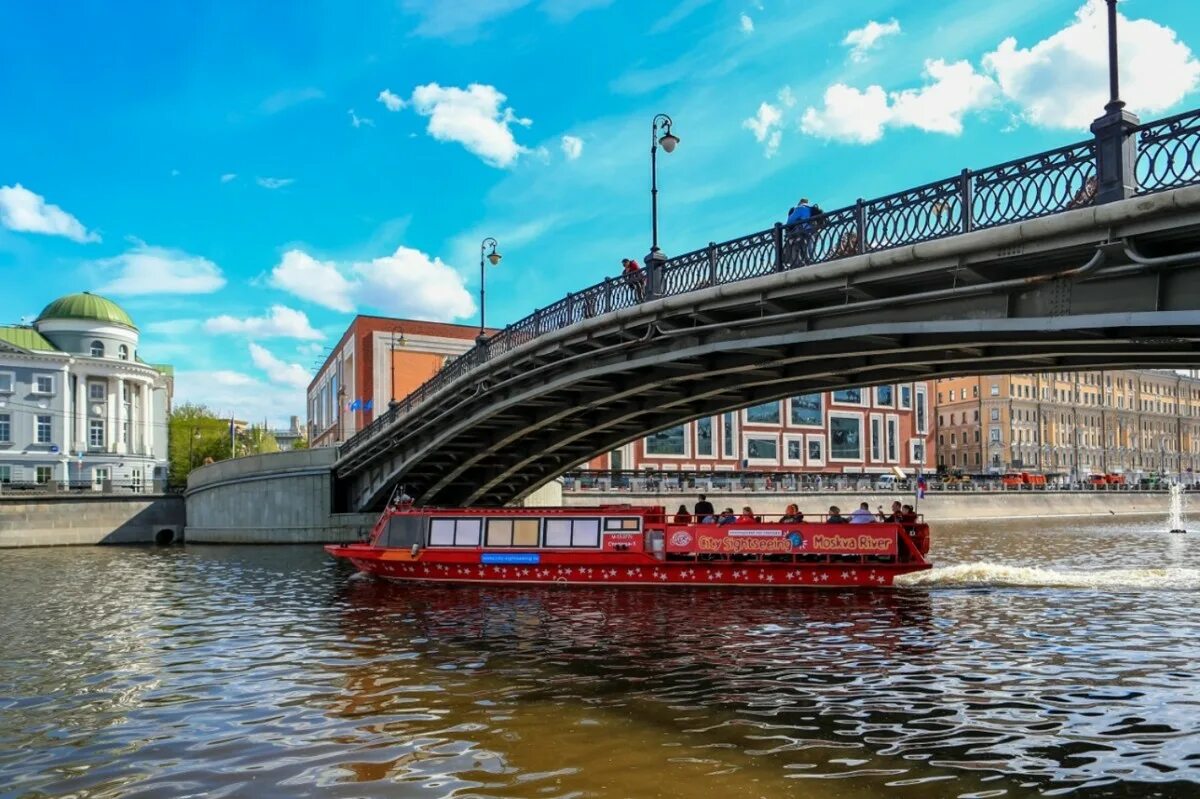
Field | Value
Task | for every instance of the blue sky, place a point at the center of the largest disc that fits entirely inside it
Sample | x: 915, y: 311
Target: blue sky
x: 244, y: 177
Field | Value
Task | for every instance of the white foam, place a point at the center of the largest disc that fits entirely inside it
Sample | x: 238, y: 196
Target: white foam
x: 997, y: 575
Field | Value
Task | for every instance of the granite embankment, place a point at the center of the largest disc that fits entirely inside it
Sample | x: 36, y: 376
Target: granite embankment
x: 95, y: 519
x: 936, y: 506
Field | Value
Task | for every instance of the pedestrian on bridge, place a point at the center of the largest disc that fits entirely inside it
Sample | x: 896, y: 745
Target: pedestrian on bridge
x: 634, y: 277
x: 800, y: 229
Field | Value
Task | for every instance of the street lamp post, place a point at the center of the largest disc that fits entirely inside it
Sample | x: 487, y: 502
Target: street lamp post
x: 493, y: 257
x: 393, y: 402
x: 669, y: 141
x: 1116, y: 149
x: 192, y: 448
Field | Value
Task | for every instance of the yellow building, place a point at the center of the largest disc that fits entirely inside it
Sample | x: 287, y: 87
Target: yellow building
x: 1071, y: 424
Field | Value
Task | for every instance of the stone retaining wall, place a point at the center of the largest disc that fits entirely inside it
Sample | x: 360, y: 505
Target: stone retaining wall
x: 109, y: 519
x: 937, y: 506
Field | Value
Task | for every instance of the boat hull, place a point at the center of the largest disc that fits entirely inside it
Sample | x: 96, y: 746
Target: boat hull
x: 427, y: 567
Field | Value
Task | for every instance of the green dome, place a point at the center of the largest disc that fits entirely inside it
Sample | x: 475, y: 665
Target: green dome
x: 86, y: 305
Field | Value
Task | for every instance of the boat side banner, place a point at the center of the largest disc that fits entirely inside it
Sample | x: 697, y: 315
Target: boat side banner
x: 805, y: 539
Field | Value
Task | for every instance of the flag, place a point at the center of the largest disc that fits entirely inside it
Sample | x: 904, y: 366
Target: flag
x: 368, y: 405
x: 354, y: 406
x: 921, y: 487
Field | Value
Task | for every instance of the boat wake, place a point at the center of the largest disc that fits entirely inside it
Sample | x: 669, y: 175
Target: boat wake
x: 995, y: 575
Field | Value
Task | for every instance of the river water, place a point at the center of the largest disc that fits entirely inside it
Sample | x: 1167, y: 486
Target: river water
x: 1041, y: 660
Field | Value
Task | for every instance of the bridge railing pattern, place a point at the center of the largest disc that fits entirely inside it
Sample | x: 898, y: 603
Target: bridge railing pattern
x: 1167, y: 156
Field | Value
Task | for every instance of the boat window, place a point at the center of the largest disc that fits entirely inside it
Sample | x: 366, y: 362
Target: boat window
x: 454, y: 532
x: 621, y: 524
x: 572, y: 532
x: 512, y: 532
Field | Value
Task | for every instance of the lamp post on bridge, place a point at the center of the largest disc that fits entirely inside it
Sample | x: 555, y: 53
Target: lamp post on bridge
x: 494, y: 258
x: 1116, y: 150
x: 393, y: 402
x: 669, y: 141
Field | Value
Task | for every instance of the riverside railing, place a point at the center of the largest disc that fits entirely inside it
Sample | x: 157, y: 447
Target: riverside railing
x: 1166, y: 156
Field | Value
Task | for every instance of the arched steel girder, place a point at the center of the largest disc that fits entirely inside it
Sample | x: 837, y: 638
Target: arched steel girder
x: 423, y: 459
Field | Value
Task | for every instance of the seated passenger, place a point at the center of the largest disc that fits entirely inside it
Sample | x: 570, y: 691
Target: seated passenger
x: 682, y: 516
x: 747, y: 516
x: 862, y: 515
x: 908, y: 516
x: 835, y: 516
x: 792, y: 514
x: 726, y: 517
x: 895, y: 515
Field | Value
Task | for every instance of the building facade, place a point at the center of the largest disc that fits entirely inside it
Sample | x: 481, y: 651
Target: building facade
x: 1134, y: 422
x: 377, y: 360
x: 852, y: 431
x: 77, y: 403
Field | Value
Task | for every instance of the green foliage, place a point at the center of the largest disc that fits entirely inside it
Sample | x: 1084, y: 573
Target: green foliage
x: 196, y: 436
x: 301, y: 443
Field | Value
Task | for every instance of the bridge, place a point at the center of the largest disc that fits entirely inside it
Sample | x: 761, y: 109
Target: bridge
x: 1082, y: 257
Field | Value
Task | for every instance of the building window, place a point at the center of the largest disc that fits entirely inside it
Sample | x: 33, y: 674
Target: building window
x: 995, y: 389
x: 96, y: 433
x: 123, y: 352
x: 704, y: 436
x: 43, y: 384
x: 793, y: 450
x: 921, y: 410
x: 885, y: 395
x: 816, y: 450
x: 5, y: 474
x: 807, y: 410
x: 96, y: 392
x: 44, y: 474
x: 5, y: 428
x: 916, y: 451
x: 727, y: 446
x: 7, y: 380
x: 762, y: 448
x: 974, y: 390
x: 667, y: 442
x: 845, y: 438
x: 877, y: 438
x: 97, y: 349
x: 994, y: 434
x: 995, y: 414
x: 767, y: 413
x: 906, y: 396
x: 893, y: 438
x: 851, y: 396
x: 42, y: 430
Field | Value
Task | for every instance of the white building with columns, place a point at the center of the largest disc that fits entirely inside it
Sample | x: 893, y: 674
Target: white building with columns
x: 77, y: 402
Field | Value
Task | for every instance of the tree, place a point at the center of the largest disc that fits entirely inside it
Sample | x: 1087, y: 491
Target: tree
x: 195, y: 434
x: 300, y: 443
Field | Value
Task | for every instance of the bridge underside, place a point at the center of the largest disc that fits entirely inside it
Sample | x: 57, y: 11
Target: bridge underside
x: 506, y: 428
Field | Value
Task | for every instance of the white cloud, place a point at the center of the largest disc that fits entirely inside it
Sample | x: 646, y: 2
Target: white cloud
x: 766, y: 126
x: 358, y: 121
x: 23, y: 211
x: 172, y: 327
x: 280, y: 322
x: 287, y: 98
x: 406, y: 283
x: 863, y: 40
x: 279, y: 371
x: 474, y: 117
x: 391, y: 102
x: 848, y: 114
x: 229, y: 177
x: 230, y: 393
x: 1061, y: 81
x: 572, y: 147
x: 274, y: 183
x: 158, y: 270
x: 746, y: 24
x: 860, y: 116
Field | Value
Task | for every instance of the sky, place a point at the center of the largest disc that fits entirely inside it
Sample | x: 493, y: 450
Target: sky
x: 245, y: 177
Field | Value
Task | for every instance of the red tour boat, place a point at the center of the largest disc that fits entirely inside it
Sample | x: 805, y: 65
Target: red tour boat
x: 631, y: 545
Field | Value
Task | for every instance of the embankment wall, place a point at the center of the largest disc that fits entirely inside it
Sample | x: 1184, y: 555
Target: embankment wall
x: 936, y: 506
x: 60, y: 521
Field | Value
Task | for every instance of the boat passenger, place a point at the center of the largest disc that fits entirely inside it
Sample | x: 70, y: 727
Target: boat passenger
x: 792, y: 514
x: 835, y: 516
x: 894, y: 516
x: 747, y: 516
x: 705, y: 508
x: 726, y: 517
x: 862, y: 515
x: 682, y: 516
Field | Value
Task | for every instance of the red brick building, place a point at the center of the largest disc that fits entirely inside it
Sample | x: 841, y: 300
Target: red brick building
x: 852, y: 431
x: 377, y: 359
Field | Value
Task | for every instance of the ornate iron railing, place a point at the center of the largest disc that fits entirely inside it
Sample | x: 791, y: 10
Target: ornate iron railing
x: 1167, y: 156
